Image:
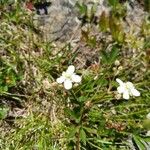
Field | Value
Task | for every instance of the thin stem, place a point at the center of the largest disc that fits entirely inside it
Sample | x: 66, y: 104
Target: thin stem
x: 94, y: 145
x: 10, y: 94
x: 72, y: 93
x: 78, y: 141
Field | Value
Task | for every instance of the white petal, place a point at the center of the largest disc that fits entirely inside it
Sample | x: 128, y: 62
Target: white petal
x: 76, y: 78
x: 67, y: 84
x: 60, y: 79
x: 148, y: 116
x: 135, y: 92
x: 119, y: 81
x: 70, y: 69
x: 148, y: 133
x: 121, y: 89
x: 126, y: 95
x: 64, y: 74
x: 130, y: 85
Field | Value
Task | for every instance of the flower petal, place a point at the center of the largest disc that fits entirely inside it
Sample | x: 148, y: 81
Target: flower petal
x: 60, y: 79
x: 129, y: 85
x: 148, y: 116
x: 76, y: 78
x: 121, y: 89
x: 64, y: 74
x: 148, y: 133
x: 135, y: 92
x: 67, y: 84
x: 120, y: 81
x: 70, y: 69
x: 126, y: 95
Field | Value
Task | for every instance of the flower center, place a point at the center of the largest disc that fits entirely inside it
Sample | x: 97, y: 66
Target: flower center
x: 67, y: 76
x: 127, y: 87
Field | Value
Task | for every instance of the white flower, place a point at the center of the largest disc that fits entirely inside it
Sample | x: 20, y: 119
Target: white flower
x: 127, y: 89
x: 148, y: 116
x: 69, y: 77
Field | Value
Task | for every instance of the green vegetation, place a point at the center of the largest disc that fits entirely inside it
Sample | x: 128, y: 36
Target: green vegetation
x: 38, y: 113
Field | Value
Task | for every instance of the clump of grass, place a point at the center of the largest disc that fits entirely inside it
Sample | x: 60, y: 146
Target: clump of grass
x: 34, y: 132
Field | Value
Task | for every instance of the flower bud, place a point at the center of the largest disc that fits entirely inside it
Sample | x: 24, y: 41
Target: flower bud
x: 117, y: 63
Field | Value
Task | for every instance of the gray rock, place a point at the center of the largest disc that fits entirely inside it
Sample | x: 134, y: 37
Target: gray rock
x: 60, y: 21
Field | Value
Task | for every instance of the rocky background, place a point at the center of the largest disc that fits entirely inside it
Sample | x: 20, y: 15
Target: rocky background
x: 64, y: 23
x: 63, y: 18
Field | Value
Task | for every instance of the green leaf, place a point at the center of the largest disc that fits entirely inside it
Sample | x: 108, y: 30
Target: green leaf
x: 104, y: 22
x: 74, y: 114
x: 138, y: 142
x: 105, y: 57
x: 82, y: 8
x: 72, y: 132
x: 3, y: 89
x: 82, y: 98
x: 113, y: 2
x: 83, y: 136
x: 3, y: 112
x: 116, y: 29
x: 147, y: 5
x: 113, y: 54
x: 90, y: 130
x: 109, y: 57
x: 147, y: 139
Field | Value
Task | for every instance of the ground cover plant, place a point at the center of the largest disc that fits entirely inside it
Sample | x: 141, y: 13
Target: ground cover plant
x: 92, y: 94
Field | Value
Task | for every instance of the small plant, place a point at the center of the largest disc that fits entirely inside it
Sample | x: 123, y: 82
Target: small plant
x: 80, y: 112
x: 8, y: 77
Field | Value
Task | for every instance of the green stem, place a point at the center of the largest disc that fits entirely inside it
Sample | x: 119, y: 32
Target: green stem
x: 72, y: 93
x: 78, y: 141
